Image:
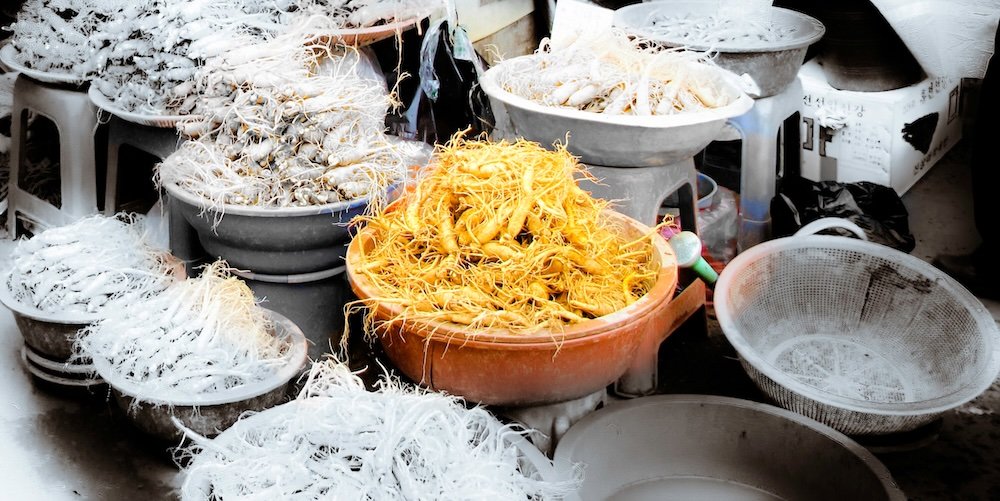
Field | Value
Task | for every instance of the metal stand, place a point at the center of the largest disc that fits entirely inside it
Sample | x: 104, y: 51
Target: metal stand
x: 183, y: 238
x: 75, y: 118
x: 759, y: 129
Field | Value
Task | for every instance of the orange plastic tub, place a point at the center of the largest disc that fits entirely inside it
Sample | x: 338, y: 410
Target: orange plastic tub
x: 496, y: 367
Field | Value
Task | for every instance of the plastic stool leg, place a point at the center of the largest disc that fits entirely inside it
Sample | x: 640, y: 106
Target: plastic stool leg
x: 757, y: 182
x: 75, y: 118
x: 77, y: 169
x: 642, y: 376
x: 18, y: 134
x: 759, y: 128
x: 111, y: 179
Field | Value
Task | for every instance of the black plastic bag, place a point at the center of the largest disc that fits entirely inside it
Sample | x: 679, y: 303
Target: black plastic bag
x: 448, y: 98
x: 875, y: 208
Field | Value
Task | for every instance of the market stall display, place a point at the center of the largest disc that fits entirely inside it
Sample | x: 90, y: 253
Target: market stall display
x: 396, y: 442
x: 202, y: 350
x: 496, y: 278
x: 508, y: 283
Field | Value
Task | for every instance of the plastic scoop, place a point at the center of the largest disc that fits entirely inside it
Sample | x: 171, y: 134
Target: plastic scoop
x: 687, y: 248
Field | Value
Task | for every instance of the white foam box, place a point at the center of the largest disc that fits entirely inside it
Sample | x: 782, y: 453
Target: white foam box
x: 891, y: 138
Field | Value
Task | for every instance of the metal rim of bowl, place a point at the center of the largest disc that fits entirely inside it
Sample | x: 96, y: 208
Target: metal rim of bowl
x: 817, y: 32
x: 52, y: 365
x: 244, y: 210
x: 497, y: 338
x: 739, y: 106
x: 34, y: 313
x: 7, y: 55
x: 297, y: 359
x: 36, y: 370
x: 205, y: 205
x: 578, y: 432
x: 942, y: 403
x: 300, y: 278
x: 371, y: 34
x: 163, y: 121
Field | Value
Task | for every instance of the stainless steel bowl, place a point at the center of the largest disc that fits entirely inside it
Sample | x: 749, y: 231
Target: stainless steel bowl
x: 279, y: 241
x: 670, y: 447
x: 49, y: 334
x: 772, y: 66
x: 210, y: 414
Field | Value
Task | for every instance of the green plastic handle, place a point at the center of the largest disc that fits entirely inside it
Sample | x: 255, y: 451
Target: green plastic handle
x: 705, y: 271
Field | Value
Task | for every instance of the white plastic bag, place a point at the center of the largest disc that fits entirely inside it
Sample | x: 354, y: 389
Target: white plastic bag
x: 947, y: 37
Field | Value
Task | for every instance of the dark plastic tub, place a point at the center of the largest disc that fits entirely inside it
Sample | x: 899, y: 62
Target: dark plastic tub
x: 314, y: 301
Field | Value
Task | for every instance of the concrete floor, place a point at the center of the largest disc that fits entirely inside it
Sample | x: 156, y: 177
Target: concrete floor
x: 964, y: 461
x: 68, y: 447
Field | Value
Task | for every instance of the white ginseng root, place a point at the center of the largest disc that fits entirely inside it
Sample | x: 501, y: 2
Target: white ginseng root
x: 64, y: 36
x: 87, y: 266
x: 286, y: 124
x: 612, y: 73
x: 339, y: 441
x: 200, y: 336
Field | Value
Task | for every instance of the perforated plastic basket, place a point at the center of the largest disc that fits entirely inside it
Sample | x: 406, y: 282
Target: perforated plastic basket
x: 856, y: 335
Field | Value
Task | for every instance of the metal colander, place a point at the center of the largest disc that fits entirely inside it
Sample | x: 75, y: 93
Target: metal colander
x: 856, y: 335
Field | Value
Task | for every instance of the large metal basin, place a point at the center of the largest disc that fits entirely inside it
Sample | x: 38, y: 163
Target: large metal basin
x: 684, y: 447
x: 616, y: 140
x: 772, y: 66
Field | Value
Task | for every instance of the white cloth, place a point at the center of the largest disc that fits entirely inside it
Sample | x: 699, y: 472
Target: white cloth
x: 947, y: 37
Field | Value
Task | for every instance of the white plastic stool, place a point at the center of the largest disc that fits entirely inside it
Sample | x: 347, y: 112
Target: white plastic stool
x: 75, y: 118
x: 759, y: 129
x: 157, y: 141
x: 638, y: 192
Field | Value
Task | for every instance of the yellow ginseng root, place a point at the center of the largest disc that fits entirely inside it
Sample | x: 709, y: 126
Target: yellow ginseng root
x: 499, y: 235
